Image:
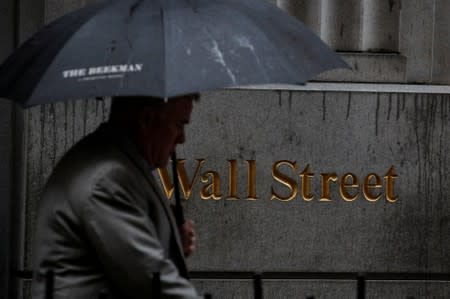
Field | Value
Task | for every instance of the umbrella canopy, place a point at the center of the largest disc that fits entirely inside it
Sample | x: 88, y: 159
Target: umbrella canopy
x: 163, y: 48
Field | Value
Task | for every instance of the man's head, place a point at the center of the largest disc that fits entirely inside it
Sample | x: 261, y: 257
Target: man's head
x: 156, y: 127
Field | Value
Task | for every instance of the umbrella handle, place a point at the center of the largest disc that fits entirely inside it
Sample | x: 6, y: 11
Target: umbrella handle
x: 179, y: 214
x: 156, y: 285
x: 49, y: 284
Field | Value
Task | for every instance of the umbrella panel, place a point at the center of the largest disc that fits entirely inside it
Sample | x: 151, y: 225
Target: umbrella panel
x: 164, y: 49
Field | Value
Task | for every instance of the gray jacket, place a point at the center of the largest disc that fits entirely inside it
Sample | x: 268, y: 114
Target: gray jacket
x: 103, y: 225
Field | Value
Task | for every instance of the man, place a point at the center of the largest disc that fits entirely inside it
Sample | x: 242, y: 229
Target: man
x: 103, y: 224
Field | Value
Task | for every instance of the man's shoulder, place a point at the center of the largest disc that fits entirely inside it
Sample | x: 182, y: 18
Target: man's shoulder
x: 93, y: 158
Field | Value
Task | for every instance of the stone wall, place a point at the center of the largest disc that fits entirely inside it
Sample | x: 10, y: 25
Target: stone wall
x: 6, y: 149
x: 5, y: 193
x: 338, y: 132
x: 333, y: 132
x: 51, y: 130
x: 246, y: 231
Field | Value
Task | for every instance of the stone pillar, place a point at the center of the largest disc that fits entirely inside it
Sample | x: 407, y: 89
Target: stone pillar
x: 441, y: 45
x: 416, y: 39
x: 307, y: 11
x: 341, y: 24
x: 6, y: 151
x: 6, y: 28
x: 5, y: 195
x: 380, y: 25
x: 50, y: 129
x: 28, y: 20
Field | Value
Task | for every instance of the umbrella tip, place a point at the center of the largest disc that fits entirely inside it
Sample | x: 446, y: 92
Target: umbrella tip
x: 166, y: 99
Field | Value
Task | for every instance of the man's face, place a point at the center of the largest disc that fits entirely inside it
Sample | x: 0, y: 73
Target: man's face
x: 165, y: 130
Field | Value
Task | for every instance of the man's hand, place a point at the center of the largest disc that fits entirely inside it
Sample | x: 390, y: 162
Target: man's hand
x: 188, y: 237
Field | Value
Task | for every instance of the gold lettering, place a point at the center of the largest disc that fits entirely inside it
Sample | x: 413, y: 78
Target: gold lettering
x: 166, y: 182
x: 212, y: 190
x: 347, y: 185
x: 182, y: 178
x: 232, y: 180
x: 368, y: 185
x: 326, y: 178
x: 251, y: 180
x: 351, y: 187
x: 306, y: 188
x: 389, y: 177
x: 285, y: 180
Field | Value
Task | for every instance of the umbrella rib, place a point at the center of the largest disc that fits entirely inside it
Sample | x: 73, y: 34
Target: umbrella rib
x: 218, y: 55
x: 264, y: 33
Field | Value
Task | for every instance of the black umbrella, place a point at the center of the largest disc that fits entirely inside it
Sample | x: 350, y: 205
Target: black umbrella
x: 163, y: 48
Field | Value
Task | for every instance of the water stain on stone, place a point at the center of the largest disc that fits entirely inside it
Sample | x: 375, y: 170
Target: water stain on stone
x: 403, y: 102
x: 391, y: 5
x: 389, y: 107
x: 85, y: 117
x: 97, y: 102
x: 53, y: 118
x: 73, y: 122
x: 377, y: 111
x: 290, y: 138
x: 104, y: 108
x: 241, y: 152
x: 290, y: 99
x: 442, y: 109
x: 349, y: 103
x: 65, y: 126
x: 397, y: 117
x: 416, y: 109
x: 41, y: 158
x: 279, y: 97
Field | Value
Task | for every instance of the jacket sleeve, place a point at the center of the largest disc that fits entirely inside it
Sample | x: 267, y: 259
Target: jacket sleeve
x: 125, y: 240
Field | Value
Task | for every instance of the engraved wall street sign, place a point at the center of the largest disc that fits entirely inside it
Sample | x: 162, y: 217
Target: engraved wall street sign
x: 317, y: 181
x: 372, y: 187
